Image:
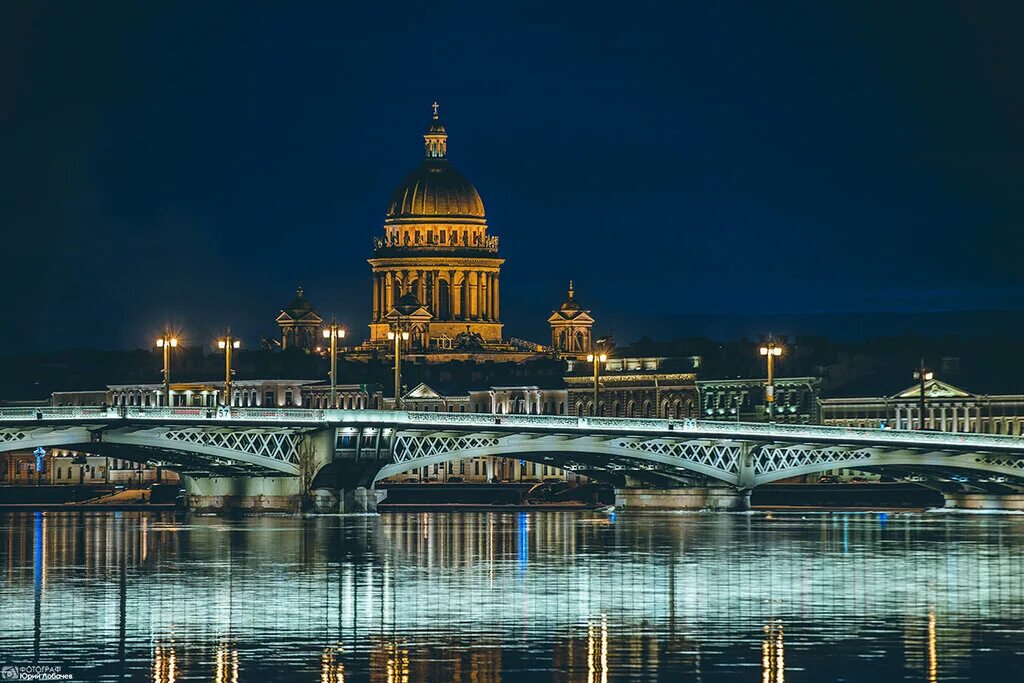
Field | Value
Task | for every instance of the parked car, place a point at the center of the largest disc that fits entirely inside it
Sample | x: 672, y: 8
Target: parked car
x: 828, y: 479
x: 455, y: 480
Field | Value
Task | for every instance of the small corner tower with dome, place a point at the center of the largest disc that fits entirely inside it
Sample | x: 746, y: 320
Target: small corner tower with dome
x: 436, y: 251
x: 571, y: 327
x: 300, y: 324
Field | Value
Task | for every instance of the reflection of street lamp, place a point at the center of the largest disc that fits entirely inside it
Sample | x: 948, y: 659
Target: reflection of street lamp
x: 399, y: 337
x: 334, y: 332
x: 228, y: 343
x: 770, y: 351
x: 167, y: 342
x: 596, y: 359
x: 922, y: 375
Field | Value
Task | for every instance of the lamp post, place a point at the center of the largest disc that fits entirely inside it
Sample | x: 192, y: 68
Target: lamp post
x: 922, y: 375
x: 399, y: 336
x: 166, y: 342
x: 334, y: 332
x: 596, y: 359
x: 228, y: 343
x: 770, y: 351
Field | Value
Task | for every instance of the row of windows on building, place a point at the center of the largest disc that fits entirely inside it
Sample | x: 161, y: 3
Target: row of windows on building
x: 676, y: 410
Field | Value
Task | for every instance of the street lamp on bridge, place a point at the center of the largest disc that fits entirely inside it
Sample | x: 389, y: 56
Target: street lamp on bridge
x: 228, y: 343
x: 596, y: 359
x: 166, y: 342
x: 399, y: 336
x: 770, y: 351
x: 334, y: 332
x: 922, y: 375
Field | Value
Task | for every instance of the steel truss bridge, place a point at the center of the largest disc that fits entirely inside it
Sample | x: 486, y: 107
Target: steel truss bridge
x: 255, y: 441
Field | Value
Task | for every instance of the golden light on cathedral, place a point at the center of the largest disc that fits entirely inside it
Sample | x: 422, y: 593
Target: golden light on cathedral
x: 436, y: 266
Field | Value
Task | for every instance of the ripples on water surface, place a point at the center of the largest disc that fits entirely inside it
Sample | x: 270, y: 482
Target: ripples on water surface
x: 513, y: 597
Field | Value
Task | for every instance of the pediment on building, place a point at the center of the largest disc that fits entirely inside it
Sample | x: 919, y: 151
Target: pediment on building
x: 575, y: 317
x: 421, y: 391
x: 299, y: 316
x: 933, y: 388
x: 420, y: 315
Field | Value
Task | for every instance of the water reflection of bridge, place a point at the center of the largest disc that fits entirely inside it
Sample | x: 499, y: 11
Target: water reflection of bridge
x: 474, y: 595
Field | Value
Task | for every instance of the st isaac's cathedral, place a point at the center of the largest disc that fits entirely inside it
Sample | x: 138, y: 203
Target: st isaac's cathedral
x: 437, y: 272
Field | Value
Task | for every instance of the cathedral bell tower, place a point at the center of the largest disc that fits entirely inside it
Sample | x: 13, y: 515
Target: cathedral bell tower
x: 570, y: 327
x: 300, y: 324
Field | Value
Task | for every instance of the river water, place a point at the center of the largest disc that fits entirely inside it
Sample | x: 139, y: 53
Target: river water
x: 543, y: 596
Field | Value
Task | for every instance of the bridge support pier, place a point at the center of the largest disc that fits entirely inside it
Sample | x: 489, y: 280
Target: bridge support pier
x: 358, y: 499
x: 242, y: 494
x: 958, y: 500
x: 723, y: 498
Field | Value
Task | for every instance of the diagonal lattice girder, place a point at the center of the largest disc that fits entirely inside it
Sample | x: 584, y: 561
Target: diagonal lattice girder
x: 771, y: 459
x: 716, y: 456
x: 714, y: 459
x: 11, y: 436
x: 280, y: 445
x: 416, y: 447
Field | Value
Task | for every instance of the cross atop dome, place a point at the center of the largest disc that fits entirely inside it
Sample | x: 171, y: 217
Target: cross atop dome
x: 435, y: 141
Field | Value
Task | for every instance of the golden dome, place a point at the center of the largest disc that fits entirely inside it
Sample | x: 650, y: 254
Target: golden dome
x: 435, y: 189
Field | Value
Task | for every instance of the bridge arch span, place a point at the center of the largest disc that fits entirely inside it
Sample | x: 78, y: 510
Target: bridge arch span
x: 270, y: 450
x: 773, y: 464
x: 412, y: 451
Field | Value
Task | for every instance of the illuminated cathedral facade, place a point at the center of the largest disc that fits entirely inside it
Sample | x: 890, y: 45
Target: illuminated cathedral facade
x: 436, y: 270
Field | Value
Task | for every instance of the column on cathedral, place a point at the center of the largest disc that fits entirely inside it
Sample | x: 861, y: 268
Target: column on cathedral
x: 487, y: 295
x: 451, y: 294
x: 497, y: 307
x: 376, y: 297
x: 435, y: 296
x: 479, y: 295
x: 389, y: 292
x: 485, y: 292
x: 490, y: 296
x: 421, y: 280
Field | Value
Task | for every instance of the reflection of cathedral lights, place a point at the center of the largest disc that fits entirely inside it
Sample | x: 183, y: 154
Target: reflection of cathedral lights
x: 226, y: 664
x: 933, y: 658
x: 597, y: 652
x: 165, y: 668
x: 773, y: 654
x: 331, y: 669
x: 397, y: 663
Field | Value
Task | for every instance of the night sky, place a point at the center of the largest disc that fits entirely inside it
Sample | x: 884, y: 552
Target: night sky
x: 192, y: 163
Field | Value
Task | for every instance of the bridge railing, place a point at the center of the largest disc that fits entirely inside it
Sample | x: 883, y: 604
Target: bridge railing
x: 51, y: 412
x: 417, y: 419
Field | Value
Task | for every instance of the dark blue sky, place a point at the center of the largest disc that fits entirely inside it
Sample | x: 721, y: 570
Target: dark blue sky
x: 192, y: 163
